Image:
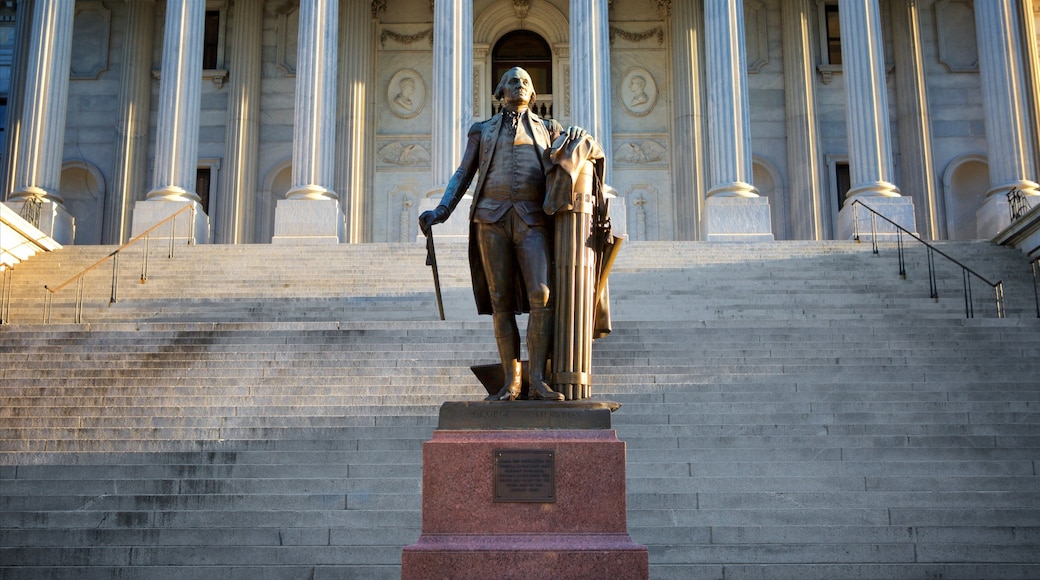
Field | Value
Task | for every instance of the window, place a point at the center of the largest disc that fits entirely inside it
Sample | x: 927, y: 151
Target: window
x: 832, y: 29
x: 529, y: 51
x: 843, y: 179
x: 203, y: 177
x: 211, y: 40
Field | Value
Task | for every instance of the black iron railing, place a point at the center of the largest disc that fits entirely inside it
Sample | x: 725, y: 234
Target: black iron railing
x: 114, y: 256
x: 966, y: 272
x: 1017, y: 204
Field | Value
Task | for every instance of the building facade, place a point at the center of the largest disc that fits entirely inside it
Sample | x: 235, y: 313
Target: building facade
x: 338, y: 121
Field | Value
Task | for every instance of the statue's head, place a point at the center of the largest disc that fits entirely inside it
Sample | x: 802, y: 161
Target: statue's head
x: 516, y: 87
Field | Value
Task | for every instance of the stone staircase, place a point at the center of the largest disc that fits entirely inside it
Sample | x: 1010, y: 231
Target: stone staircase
x: 791, y: 410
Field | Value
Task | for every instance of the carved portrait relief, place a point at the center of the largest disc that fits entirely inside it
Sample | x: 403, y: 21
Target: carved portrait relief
x: 406, y: 94
x: 637, y: 91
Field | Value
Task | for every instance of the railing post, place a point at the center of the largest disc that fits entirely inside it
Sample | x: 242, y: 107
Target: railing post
x: 969, y: 307
x: 5, y: 295
x: 855, y: 220
x: 79, y: 302
x: 115, y: 279
x: 933, y: 283
x: 144, y: 264
x: 999, y: 291
x: 47, y: 299
x: 173, y: 235
x: 902, y: 259
x: 873, y: 231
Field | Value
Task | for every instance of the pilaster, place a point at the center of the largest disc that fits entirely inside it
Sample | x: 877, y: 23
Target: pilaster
x: 808, y: 204
x: 311, y: 212
x: 867, y: 122
x: 235, y: 207
x: 687, y: 126
x: 41, y: 138
x: 355, y: 116
x: 131, y: 145
x: 1008, y: 137
x: 915, y: 135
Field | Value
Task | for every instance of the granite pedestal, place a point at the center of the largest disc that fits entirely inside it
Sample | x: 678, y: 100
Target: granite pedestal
x: 524, y: 489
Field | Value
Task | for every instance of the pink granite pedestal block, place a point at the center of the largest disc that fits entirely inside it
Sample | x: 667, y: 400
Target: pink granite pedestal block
x: 581, y: 532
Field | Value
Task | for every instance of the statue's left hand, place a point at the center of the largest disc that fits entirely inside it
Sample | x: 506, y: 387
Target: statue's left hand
x: 575, y: 132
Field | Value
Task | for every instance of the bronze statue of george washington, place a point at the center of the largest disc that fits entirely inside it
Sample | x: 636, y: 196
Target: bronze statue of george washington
x: 511, y: 248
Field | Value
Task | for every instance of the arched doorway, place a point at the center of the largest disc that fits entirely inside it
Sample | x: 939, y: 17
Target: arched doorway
x: 532, y: 53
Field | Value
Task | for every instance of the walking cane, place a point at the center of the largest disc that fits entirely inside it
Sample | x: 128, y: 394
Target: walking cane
x: 431, y: 260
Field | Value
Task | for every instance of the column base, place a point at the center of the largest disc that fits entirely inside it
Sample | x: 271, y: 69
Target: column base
x: 995, y: 215
x: 738, y: 219
x: 308, y: 221
x: 55, y: 221
x: 190, y: 227
x: 857, y: 220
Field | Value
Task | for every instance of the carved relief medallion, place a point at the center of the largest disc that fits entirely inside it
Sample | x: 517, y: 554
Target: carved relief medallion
x: 406, y: 93
x: 637, y: 91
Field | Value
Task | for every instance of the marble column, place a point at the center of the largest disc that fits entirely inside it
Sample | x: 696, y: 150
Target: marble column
x: 236, y: 206
x: 734, y: 209
x: 16, y: 94
x: 311, y: 211
x: 452, y: 99
x: 355, y: 116
x: 131, y: 143
x: 915, y: 133
x: 808, y: 202
x: 1009, y: 139
x: 590, y: 73
x: 177, y: 130
x: 688, y: 126
x: 40, y: 141
x: 867, y: 123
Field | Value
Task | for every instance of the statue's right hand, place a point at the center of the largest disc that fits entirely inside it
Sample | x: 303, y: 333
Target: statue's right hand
x: 428, y: 219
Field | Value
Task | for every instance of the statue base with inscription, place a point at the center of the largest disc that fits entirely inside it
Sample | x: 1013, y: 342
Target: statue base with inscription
x: 524, y: 489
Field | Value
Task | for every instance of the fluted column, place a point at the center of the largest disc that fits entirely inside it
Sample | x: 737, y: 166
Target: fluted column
x: 180, y: 94
x: 807, y: 200
x: 688, y: 127
x: 177, y: 130
x: 915, y: 134
x: 590, y: 73
x: 135, y: 95
x: 314, y: 121
x: 235, y: 207
x: 729, y: 125
x: 311, y: 210
x: 687, y: 132
x: 866, y: 100
x: 734, y: 208
x: 16, y: 94
x: 1008, y: 136
x: 866, y: 115
x: 41, y: 138
x: 354, y: 114
x: 452, y: 100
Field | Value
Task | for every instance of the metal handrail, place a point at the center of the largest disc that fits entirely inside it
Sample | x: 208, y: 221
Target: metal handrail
x: 1017, y: 204
x: 966, y: 272
x: 114, y: 256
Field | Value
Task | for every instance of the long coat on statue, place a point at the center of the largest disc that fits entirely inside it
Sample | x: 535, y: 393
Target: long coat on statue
x: 480, y: 149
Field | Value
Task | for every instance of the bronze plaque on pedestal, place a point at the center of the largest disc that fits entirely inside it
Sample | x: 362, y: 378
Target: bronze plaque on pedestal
x: 525, y: 475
